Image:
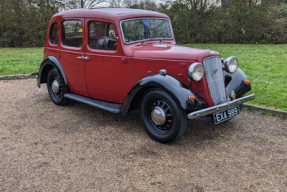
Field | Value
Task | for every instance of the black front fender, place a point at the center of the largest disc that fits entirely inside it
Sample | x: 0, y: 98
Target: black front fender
x: 236, y: 82
x: 177, y: 90
x: 47, y: 64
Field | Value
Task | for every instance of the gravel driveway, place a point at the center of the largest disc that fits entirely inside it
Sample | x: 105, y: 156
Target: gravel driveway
x: 78, y: 147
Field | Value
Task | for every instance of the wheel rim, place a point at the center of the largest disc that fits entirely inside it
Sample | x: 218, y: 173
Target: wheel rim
x: 159, y: 115
x: 56, y: 86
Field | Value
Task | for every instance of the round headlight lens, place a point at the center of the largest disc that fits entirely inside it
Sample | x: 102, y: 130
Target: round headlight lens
x: 231, y: 64
x: 196, y: 71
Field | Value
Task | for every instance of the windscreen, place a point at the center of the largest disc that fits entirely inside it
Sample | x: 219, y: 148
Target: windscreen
x: 135, y: 30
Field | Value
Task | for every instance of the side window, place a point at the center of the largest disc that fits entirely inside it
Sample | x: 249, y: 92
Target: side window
x: 72, y: 33
x: 54, y: 34
x: 100, y: 36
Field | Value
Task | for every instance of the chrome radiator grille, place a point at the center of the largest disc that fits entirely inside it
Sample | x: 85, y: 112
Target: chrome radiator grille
x: 214, y: 77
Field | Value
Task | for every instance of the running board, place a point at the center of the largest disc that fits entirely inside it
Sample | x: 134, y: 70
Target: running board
x: 111, y: 107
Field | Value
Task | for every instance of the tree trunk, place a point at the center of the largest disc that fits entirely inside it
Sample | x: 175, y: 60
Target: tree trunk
x: 82, y: 3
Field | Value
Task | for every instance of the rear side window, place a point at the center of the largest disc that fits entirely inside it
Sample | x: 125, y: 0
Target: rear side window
x: 100, y: 36
x: 54, y: 34
x: 72, y: 33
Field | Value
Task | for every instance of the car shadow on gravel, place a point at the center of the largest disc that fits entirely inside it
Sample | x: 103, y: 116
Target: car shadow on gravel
x: 198, y: 131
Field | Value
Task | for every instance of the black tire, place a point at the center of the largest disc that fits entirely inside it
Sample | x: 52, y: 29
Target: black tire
x: 175, y: 122
x: 57, y: 97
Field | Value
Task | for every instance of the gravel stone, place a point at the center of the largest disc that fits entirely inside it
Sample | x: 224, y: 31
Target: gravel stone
x: 88, y: 149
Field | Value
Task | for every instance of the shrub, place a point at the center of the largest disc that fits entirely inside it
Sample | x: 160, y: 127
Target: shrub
x: 239, y: 22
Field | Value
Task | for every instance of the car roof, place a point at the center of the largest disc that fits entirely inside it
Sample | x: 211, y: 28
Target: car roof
x: 115, y: 14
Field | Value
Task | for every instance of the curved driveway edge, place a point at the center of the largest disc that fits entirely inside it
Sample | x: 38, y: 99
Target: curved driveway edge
x: 23, y: 76
x: 275, y: 112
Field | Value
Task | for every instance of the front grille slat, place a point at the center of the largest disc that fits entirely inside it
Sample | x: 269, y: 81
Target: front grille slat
x: 214, y: 77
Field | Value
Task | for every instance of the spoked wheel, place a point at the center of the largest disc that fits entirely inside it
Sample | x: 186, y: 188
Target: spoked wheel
x: 162, y: 118
x: 159, y: 113
x: 56, y: 87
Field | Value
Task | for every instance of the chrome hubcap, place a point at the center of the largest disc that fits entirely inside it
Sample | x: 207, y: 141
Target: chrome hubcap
x: 55, y: 86
x: 158, y: 116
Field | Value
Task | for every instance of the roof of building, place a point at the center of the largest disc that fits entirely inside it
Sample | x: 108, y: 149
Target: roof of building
x: 109, y: 13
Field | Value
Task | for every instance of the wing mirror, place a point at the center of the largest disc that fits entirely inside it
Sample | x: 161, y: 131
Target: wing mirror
x: 113, y: 34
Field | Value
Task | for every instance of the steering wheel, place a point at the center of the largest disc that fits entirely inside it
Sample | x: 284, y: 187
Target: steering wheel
x: 128, y: 38
x: 102, y: 44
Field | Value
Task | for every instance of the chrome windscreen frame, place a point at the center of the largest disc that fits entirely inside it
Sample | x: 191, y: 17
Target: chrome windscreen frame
x: 127, y: 43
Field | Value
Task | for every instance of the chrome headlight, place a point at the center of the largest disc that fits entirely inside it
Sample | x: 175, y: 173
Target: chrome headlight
x: 230, y: 64
x: 196, y: 71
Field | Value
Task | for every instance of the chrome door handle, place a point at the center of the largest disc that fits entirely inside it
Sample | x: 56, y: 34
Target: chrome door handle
x: 82, y: 57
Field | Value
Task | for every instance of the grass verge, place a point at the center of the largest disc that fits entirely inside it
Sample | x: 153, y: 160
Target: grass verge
x: 264, y: 65
x: 20, y: 60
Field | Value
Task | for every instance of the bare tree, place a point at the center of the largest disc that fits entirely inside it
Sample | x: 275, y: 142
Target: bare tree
x: 117, y: 3
x: 74, y: 4
x: 139, y: 4
x: 91, y: 3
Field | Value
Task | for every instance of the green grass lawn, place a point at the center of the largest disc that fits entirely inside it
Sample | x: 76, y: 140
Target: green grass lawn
x: 20, y: 60
x: 265, y: 66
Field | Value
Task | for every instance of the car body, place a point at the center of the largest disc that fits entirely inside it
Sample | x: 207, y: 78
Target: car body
x: 121, y: 59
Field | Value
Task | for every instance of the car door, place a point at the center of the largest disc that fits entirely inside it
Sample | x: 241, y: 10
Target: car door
x: 104, y: 68
x: 72, y: 54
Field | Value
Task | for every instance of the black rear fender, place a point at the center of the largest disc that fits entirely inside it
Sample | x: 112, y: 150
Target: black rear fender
x: 49, y: 63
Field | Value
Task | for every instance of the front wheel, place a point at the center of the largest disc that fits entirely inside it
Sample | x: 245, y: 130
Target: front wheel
x: 162, y: 118
x: 56, y: 87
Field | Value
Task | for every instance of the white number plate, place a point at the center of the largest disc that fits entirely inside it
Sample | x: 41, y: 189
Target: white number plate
x: 226, y: 115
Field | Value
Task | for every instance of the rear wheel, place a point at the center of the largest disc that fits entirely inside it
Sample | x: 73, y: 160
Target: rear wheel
x: 162, y: 118
x: 56, y: 87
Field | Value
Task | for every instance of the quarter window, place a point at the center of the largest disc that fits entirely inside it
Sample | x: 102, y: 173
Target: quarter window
x: 101, y: 36
x: 54, y: 34
x: 72, y: 33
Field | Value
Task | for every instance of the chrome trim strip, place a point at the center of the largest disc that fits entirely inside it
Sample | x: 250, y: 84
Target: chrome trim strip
x: 127, y: 43
x: 220, y: 107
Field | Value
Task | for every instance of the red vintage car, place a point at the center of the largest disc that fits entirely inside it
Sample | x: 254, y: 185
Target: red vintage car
x: 120, y: 59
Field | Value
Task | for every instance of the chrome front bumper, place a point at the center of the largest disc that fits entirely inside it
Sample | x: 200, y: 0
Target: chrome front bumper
x: 220, y: 107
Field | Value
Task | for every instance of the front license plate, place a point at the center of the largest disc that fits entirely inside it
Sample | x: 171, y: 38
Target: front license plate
x: 222, y: 116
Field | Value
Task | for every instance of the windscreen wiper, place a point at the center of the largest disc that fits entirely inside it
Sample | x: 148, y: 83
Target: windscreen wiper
x: 145, y: 40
